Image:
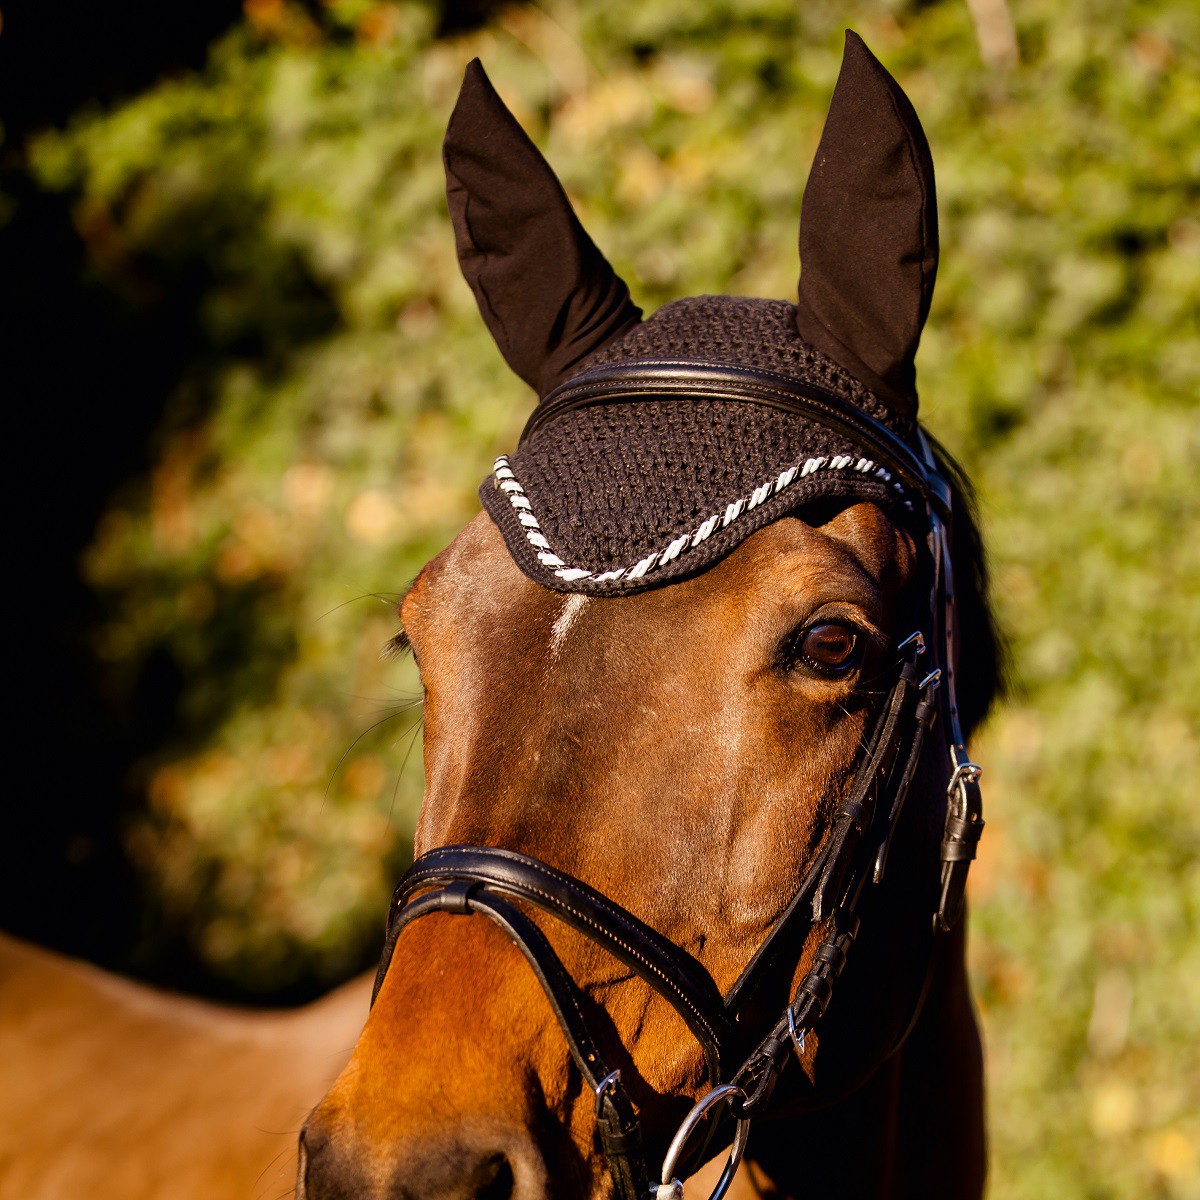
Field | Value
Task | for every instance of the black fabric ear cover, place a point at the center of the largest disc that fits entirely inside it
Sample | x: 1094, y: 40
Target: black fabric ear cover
x: 868, y: 232
x: 546, y: 293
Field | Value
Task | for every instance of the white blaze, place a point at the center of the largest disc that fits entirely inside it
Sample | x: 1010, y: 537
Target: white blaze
x: 572, y: 607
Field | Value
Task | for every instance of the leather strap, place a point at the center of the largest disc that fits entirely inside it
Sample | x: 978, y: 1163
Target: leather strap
x: 617, y: 1127
x: 857, y: 813
x: 625, y: 382
x: 960, y: 840
x: 667, y: 968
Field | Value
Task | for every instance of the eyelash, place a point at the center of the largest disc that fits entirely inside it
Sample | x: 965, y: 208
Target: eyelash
x: 397, y: 647
x: 794, y: 655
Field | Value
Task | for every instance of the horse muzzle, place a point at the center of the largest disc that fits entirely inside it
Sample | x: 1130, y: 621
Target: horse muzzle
x: 474, y: 1162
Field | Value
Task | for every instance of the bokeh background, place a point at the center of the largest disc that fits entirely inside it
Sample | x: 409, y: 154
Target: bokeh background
x: 249, y: 395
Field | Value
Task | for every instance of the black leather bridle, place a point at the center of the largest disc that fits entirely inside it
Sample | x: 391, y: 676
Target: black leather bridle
x: 503, y: 885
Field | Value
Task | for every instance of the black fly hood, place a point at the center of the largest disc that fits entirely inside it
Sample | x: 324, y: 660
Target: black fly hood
x: 658, y: 445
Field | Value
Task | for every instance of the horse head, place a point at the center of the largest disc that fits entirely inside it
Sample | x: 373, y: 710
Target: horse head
x: 675, y: 699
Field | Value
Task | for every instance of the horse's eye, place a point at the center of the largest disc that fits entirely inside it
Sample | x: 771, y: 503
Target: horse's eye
x: 828, y: 647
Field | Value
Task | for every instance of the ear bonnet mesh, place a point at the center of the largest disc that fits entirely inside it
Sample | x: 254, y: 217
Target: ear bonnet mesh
x: 617, y: 498
x: 619, y: 488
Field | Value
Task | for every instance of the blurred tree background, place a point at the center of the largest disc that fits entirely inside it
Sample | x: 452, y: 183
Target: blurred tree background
x: 257, y: 397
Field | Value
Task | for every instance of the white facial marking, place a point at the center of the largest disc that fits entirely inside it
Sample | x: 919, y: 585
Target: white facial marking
x: 571, y: 609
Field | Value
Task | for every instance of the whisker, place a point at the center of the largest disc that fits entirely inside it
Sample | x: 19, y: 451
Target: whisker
x: 395, y: 695
x: 276, y: 1133
x: 395, y: 793
x: 394, y: 708
x: 346, y: 753
x: 401, y: 701
x: 418, y: 725
x: 274, y: 1163
x: 862, y: 745
x: 389, y: 598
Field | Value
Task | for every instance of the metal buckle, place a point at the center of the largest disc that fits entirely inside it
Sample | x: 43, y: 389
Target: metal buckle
x: 671, y: 1188
x: 796, y: 1036
x: 609, y: 1081
x: 964, y: 808
x: 916, y: 637
x: 964, y: 772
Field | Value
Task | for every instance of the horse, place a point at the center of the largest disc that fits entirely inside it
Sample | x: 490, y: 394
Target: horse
x: 122, y: 1092
x: 694, y: 749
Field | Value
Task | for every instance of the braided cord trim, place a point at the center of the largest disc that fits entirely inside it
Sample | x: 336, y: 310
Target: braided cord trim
x: 507, y: 482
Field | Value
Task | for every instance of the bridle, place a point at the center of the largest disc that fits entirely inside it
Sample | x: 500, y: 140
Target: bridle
x: 502, y: 884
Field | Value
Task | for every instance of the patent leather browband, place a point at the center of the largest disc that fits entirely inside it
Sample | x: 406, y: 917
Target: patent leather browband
x: 665, y: 379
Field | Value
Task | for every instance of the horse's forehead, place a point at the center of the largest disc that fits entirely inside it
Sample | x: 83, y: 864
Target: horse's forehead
x: 475, y: 580
x: 474, y: 583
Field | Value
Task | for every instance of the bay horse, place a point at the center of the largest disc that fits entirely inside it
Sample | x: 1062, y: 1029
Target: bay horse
x: 663, y: 779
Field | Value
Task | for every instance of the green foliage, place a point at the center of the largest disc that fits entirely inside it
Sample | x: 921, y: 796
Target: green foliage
x: 344, y: 401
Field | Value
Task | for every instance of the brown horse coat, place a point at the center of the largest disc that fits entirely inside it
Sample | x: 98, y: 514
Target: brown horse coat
x: 115, y: 1091
x: 678, y: 748
x: 692, y: 793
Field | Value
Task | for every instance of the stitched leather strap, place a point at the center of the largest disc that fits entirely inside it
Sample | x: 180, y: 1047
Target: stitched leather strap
x: 692, y: 380
x: 617, y: 1126
x: 668, y: 968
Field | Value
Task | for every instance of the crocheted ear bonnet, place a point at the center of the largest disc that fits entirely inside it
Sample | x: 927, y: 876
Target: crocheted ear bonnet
x: 650, y: 456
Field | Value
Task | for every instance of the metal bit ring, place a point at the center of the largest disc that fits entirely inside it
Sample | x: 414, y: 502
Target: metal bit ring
x: 670, y: 1186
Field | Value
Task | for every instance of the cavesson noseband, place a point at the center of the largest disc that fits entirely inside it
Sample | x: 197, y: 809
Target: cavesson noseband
x: 502, y: 884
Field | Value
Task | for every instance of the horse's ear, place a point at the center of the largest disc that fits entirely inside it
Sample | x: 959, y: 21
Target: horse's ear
x: 546, y: 293
x: 868, y: 231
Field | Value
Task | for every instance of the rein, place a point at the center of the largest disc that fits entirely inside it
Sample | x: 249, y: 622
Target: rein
x: 742, y: 1070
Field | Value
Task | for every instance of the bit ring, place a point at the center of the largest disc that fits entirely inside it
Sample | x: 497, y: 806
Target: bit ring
x: 670, y: 1186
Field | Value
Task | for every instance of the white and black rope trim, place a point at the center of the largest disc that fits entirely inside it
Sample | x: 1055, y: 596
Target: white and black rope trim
x: 508, y: 483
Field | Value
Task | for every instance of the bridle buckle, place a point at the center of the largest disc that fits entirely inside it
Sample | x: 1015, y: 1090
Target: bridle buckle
x: 964, y: 772
x: 960, y: 837
x: 609, y: 1081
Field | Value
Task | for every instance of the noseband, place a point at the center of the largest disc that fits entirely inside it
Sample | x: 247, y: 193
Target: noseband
x: 742, y: 1070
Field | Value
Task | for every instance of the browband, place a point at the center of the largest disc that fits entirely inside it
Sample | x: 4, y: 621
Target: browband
x: 625, y: 382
